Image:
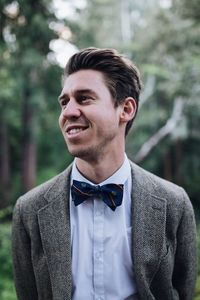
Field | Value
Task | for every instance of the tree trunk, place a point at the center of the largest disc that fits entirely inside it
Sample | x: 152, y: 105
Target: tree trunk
x: 28, y: 143
x: 178, y: 158
x: 167, y: 167
x: 157, y: 137
x: 4, y: 163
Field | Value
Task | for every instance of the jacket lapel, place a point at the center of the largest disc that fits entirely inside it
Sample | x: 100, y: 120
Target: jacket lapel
x: 54, y: 224
x: 149, y: 221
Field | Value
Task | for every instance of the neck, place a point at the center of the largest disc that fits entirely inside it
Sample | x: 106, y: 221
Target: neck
x: 100, y: 169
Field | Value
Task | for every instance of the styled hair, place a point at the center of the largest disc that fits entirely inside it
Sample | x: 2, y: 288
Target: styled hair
x: 121, y: 76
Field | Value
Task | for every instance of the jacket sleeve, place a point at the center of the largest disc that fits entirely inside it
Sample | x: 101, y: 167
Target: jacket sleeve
x: 185, y: 265
x: 22, y: 264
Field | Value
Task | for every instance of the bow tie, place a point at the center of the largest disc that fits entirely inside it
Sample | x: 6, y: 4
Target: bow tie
x: 111, y: 194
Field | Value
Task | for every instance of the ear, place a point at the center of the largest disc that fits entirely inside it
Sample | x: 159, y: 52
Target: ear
x: 129, y: 108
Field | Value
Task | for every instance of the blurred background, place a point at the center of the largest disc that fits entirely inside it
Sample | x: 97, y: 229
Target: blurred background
x: 37, y: 37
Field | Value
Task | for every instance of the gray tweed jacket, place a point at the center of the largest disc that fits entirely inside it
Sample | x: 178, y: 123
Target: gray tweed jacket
x: 163, y: 240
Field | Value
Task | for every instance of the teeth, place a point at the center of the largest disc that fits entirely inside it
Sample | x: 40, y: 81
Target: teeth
x: 75, y: 130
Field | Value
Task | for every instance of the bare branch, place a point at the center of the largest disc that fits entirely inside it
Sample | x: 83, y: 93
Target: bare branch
x: 162, y: 132
x: 148, y: 90
x: 126, y: 29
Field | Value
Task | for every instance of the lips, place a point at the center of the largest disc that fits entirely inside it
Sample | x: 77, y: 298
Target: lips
x: 75, y: 129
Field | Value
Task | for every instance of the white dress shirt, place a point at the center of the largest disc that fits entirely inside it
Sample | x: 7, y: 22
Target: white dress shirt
x: 102, y: 265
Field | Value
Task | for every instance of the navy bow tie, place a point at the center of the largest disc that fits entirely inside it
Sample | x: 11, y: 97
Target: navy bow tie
x: 111, y: 194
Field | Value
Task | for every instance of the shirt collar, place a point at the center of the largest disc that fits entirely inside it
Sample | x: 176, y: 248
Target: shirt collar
x: 119, y: 177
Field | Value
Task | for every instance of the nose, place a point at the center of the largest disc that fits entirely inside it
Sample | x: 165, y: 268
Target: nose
x: 71, y: 110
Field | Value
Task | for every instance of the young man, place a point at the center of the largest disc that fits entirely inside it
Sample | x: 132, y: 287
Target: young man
x: 104, y: 228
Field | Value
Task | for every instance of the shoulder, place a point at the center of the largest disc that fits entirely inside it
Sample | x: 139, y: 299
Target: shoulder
x: 158, y: 187
x: 38, y: 196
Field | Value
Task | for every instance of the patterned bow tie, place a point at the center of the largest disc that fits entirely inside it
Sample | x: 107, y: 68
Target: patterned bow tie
x: 111, y: 194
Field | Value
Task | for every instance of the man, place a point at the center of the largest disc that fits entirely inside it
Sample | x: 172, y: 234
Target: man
x: 104, y: 228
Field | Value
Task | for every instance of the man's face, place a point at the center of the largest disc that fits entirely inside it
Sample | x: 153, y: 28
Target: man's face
x: 89, y: 121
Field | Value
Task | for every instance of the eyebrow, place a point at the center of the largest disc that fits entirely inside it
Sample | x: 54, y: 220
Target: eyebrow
x: 77, y: 92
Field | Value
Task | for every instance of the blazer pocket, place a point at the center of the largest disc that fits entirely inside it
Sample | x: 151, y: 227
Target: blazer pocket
x: 163, y: 262
x: 161, y: 284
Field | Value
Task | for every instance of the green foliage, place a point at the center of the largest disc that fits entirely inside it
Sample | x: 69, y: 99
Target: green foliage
x: 7, y: 291
x: 197, y: 291
x: 30, y: 85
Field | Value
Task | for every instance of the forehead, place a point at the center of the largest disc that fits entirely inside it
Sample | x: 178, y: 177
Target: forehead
x: 84, y: 79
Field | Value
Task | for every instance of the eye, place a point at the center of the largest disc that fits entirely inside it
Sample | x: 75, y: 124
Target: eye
x: 63, y: 102
x: 84, y: 98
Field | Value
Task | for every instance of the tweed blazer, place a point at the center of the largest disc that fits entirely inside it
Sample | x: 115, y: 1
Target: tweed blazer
x: 163, y: 240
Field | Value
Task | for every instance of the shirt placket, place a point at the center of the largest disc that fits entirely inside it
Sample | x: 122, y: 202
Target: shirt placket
x: 98, y: 250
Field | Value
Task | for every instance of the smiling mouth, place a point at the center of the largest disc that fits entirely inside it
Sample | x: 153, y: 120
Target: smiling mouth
x: 72, y: 130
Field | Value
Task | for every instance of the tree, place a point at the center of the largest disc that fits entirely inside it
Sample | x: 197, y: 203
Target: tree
x: 24, y: 82
x: 169, y: 54
x: 7, y: 86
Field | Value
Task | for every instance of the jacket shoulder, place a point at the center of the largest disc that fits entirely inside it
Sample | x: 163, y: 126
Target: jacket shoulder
x: 159, y: 187
x: 35, y: 198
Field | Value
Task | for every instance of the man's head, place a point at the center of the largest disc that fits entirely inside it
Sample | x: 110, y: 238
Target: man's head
x: 121, y: 75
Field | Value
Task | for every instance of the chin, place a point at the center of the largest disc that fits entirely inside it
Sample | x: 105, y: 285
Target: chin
x: 80, y: 153
x: 84, y: 154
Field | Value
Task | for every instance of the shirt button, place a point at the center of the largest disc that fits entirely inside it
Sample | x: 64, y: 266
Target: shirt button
x: 98, y: 255
x: 98, y: 213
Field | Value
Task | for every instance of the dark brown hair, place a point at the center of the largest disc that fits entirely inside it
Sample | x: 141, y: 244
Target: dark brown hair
x: 121, y: 75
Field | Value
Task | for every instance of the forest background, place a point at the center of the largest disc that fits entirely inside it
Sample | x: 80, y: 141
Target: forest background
x: 162, y: 37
